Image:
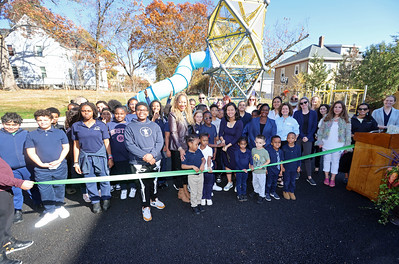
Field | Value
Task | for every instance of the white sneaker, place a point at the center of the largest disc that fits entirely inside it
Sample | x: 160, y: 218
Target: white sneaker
x: 99, y: 193
x: 132, y: 193
x: 117, y: 187
x: 212, y: 194
x: 112, y: 188
x: 47, y: 218
x: 217, y: 188
x: 147, y: 214
x: 158, y: 204
x: 62, y: 212
x: 203, y: 202
x: 235, y: 189
x: 86, y: 198
x: 228, y: 186
x: 123, y: 194
x: 209, y: 202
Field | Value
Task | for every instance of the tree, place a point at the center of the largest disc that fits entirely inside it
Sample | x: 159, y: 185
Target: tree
x: 169, y: 32
x: 345, y: 74
x: 318, y: 74
x: 379, y: 70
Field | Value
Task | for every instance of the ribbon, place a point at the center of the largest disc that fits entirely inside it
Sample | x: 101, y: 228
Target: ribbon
x: 125, y: 177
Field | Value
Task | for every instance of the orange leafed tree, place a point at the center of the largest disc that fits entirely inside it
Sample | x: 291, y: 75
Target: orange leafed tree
x: 169, y: 32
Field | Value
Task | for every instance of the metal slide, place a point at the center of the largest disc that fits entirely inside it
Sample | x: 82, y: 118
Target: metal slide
x: 180, y: 79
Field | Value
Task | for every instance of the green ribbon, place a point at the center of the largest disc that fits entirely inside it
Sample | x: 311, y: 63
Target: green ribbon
x: 125, y: 177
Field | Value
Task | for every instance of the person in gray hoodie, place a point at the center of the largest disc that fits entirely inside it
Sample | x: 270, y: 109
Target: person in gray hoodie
x: 144, y: 141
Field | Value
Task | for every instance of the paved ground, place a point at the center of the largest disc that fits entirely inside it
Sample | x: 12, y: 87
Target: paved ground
x: 325, y: 225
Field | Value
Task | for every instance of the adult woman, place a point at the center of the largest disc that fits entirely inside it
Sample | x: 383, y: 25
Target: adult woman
x: 157, y: 116
x: 387, y: 115
x: 262, y: 125
x: 220, y: 103
x: 286, y: 123
x: 226, y: 100
x: 251, y: 104
x: 334, y: 132
x: 315, y: 103
x: 322, y: 111
x: 244, y: 116
x: 231, y: 128
x: 90, y: 149
x: 362, y: 121
x: 180, y: 117
x: 307, y: 120
x: 276, y: 103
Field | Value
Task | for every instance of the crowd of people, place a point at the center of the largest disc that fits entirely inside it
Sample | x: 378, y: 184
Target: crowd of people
x: 109, y: 138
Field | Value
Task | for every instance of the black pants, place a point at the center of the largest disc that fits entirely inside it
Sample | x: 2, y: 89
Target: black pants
x: 306, y: 150
x: 6, y: 216
x: 176, y: 165
x: 148, y: 187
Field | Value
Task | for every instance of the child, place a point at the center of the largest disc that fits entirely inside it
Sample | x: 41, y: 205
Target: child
x: 273, y: 172
x: 260, y: 158
x: 106, y: 115
x: 291, y: 151
x: 209, y: 178
x: 47, y: 147
x: 243, y: 161
x: 255, y: 113
x: 118, y: 149
x: 195, y: 161
x: 218, y: 157
x: 12, y: 140
x: 55, y: 113
x: 198, y: 121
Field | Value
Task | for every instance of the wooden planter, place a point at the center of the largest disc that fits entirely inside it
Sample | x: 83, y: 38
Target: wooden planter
x: 363, y: 177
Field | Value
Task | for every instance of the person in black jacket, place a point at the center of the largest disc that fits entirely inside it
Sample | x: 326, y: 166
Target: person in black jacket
x: 362, y: 121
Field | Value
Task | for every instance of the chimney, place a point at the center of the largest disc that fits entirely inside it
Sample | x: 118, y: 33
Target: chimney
x: 321, y: 41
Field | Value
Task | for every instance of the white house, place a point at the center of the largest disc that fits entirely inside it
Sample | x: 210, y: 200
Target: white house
x: 39, y: 60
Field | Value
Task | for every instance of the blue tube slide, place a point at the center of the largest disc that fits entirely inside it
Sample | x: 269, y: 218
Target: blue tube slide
x: 180, y: 79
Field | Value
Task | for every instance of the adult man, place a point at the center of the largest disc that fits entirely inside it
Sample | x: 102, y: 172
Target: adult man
x: 144, y: 141
x: 202, y: 99
x: 8, y: 243
x: 294, y: 103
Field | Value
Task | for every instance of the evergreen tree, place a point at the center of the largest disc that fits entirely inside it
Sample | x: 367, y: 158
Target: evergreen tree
x: 318, y: 74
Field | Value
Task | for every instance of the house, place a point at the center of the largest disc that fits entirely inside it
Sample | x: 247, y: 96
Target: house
x: 264, y: 86
x: 40, y: 61
x: 285, y: 71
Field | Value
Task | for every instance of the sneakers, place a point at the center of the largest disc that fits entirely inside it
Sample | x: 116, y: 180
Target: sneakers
x: 203, y: 202
x: 311, y: 181
x: 286, y: 195
x: 235, y: 189
x: 244, y: 198
x: 147, y: 214
x: 239, y: 198
x: 123, y: 194
x: 132, y: 192
x: 47, y: 218
x: 86, y: 198
x: 297, y: 176
x: 106, y: 204
x: 217, y: 188
x: 5, y: 260
x: 201, y: 209
x: 196, y: 210
x: 228, y: 186
x: 275, y: 196
x: 292, y: 196
x: 112, y: 188
x: 18, y: 217
x: 157, y: 203
x: 218, y: 179
x: 62, y: 212
x: 261, y: 200
x: 15, y: 245
x: 267, y: 198
x: 96, y: 208
x: 117, y: 187
x: 327, y: 181
x: 209, y: 202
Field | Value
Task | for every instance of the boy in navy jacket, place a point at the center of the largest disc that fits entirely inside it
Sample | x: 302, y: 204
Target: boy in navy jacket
x: 273, y: 172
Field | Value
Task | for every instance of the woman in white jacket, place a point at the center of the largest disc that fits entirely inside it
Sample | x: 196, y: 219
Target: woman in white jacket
x: 387, y: 115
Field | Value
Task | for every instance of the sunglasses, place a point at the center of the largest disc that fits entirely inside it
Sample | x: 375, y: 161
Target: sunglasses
x: 202, y: 98
x: 252, y: 99
x: 294, y: 99
x: 303, y: 103
x: 363, y: 109
x: 207, y: 118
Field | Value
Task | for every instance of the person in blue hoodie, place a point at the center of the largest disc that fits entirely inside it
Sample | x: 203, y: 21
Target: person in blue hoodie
x: 144, y: 141
x: 12, y: 140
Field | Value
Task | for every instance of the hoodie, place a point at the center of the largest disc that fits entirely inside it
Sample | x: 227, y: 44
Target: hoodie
x: 12, y: 148
x: 143, y: 138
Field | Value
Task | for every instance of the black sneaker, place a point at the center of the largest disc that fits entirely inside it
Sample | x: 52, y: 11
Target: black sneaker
x: 244, y: 198
x: 260, y: 200
x: 106, y: 204
x: 18, y: 217
x: 268, y: 198
x: 201, y: 208
x: 15, y: 245
x: 5, y: 260
x: 196, y: 210
x: 218, y: 179
x: 311, y: 181
x: 297, y: 176
x: 96, y: 208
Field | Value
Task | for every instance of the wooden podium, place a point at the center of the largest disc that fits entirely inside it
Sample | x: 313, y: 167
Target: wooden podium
x: 363, y: 177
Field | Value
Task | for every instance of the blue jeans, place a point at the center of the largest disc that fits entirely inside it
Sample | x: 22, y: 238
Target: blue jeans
x: 52, y: 195
x: 271, y: 181
x: 92, y: 188
x: 241, y: 183
x: 289, y: 181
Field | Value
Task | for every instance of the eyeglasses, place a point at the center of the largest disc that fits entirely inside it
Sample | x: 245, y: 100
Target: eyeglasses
x: 363, y: 109
x: 303, y: 103
x: 294, y: 99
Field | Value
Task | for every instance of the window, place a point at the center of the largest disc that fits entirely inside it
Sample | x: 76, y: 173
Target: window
x: 282, y: 74
x: 10, y: 50
x: 43, y: 70
x: 39, y: 51
x: 15, y: 72
x: 296, y: 70
x: 70, y: 74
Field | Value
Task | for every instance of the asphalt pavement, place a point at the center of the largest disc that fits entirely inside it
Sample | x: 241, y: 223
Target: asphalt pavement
x: 324, y: 225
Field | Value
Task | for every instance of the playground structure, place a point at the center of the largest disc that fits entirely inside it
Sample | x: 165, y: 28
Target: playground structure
x: 234, y: 56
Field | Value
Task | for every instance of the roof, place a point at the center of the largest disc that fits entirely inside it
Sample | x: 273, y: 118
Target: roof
x: 309, y: 52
